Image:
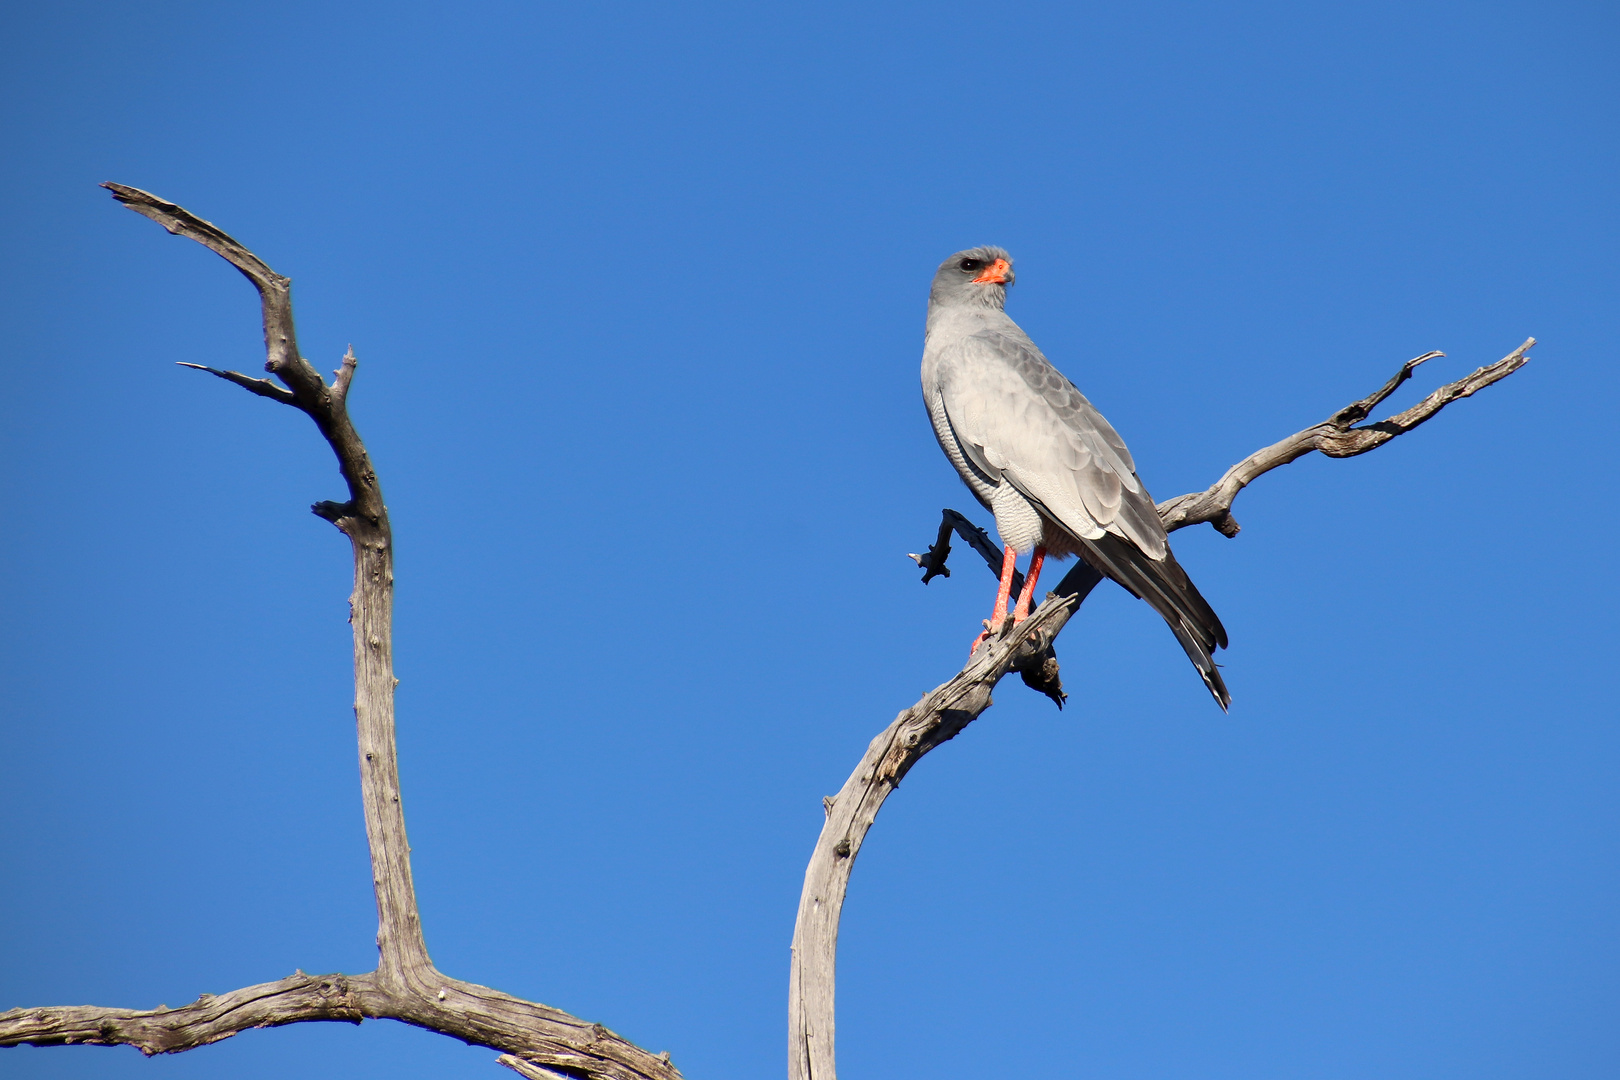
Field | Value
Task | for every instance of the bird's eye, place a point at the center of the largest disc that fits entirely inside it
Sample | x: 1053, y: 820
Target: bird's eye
x: 971, y: 265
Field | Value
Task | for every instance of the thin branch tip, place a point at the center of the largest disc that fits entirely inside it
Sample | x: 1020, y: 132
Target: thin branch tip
x: 1338, y: 436
x: 262, y: 387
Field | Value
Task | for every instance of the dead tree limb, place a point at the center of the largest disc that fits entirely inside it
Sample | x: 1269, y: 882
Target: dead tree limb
x: 946, y: 710
x: 536, y: 1040
x: 1337, y: 437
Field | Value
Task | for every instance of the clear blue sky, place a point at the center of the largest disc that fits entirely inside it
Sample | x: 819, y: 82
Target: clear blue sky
x: 638, y: 294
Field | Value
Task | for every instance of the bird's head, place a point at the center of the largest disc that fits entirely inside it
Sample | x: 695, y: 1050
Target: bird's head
x: 977, y: 276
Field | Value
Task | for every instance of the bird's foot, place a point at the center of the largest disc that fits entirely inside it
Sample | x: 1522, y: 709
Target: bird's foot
x: 1006, y: 622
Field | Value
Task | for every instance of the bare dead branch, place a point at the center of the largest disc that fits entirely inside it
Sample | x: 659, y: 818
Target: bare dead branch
x: 938, y: 717
x: 1336, y: 437
x: 275, y: 291
x: 182, y: 222
x: 933, y: 561
x: 206, y: 1020
x: 405, y: 986
x: 474, y: 1014
x: 947, y: 709
x: 1357, y: 411
x: 262, y: 387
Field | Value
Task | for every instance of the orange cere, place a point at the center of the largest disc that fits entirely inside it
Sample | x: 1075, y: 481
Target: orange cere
x: 995, y: 273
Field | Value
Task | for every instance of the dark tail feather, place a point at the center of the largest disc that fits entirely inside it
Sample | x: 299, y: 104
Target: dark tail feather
x: 1167, y: 589
x: 1204, y: 662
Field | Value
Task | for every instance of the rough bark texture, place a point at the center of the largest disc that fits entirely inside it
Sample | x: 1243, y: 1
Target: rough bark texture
x: 1027, y: 648
x: 1337, y: 437
x: 538, y: 1040
x: 936, y: 718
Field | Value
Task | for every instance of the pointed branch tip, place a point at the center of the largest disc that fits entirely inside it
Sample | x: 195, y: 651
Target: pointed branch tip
x: 1337, y: 437
x: 262, y: 387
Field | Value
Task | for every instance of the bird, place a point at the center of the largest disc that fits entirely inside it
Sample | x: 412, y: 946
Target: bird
x: 1042, y: 459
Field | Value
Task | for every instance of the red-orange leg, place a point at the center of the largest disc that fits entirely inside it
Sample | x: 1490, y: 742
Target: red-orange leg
x: 1021, y: 612
x: 1009, y: 564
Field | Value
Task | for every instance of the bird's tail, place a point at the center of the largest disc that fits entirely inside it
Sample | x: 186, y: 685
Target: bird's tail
x: 1168, y: 590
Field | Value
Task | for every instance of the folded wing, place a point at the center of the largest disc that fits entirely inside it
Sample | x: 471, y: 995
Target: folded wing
x: 1016, y: 415
x: 1018, y: 419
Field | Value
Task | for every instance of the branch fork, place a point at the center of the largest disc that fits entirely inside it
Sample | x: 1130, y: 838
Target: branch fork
x: 537, y: 1041
x: 1337, y: 437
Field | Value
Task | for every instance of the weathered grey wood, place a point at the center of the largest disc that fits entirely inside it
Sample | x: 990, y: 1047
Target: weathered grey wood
x: 939, y: 716
x: 474, y: 1014
x: 950, y: 707
x: 1337, y: 436
x: 529, y: 1069
x: 405, y: 986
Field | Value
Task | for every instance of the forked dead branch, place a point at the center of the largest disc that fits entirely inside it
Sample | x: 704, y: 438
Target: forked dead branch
x: 538, y: 1041
x: 1026, y: 648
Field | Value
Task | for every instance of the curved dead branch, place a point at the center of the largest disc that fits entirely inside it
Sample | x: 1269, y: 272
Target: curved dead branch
x: 474, y: 1014
x: 405, y: 986
x: 1337, y: 436
x: 1027, y: 648
x: 938, y: 717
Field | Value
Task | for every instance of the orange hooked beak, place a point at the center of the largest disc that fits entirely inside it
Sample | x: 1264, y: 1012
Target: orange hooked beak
x: 996, y: 273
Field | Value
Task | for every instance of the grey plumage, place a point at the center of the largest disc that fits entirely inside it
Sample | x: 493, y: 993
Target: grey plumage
x: 1036, y: 453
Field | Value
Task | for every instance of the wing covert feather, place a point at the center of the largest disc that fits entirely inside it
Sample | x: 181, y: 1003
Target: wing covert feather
x: 1011, y: 409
